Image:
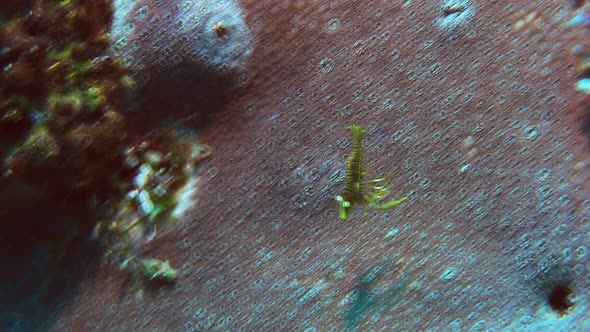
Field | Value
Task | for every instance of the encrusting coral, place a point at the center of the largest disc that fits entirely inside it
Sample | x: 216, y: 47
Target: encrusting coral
x: 474, y: 102
x: 63, y: 134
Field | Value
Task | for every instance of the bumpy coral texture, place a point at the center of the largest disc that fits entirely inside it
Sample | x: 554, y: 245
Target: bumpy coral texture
x: 187, y: 51
x: 64, y: 141
x: 470, y: 106
x: 187, y: 31
x: 56, y: 95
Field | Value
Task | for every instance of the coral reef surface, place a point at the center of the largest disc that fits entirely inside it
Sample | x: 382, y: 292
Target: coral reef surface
x: 472, y: 108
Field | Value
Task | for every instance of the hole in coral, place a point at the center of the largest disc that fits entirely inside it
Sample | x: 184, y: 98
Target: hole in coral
x: 577, y: 3
x: 560, y: 299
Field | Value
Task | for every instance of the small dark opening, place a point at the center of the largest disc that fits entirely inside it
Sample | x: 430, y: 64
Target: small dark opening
x: 560, y: 299
x: 577, y: 3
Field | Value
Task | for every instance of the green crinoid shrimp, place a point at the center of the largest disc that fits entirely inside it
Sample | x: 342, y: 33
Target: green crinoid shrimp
x: 357, y: 190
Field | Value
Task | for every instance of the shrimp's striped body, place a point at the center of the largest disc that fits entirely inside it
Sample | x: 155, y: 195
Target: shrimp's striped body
x: 356, y: 189
x: 354, y: 167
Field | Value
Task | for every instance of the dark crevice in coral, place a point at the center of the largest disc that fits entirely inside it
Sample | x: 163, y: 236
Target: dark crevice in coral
x: 576, y: 4
x: 43, y: 271
x: 560, y: 299
x: 556, y: 286
x: 187, y: 95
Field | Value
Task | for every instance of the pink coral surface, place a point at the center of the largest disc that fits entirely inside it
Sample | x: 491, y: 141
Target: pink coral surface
x: 477, y: 120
